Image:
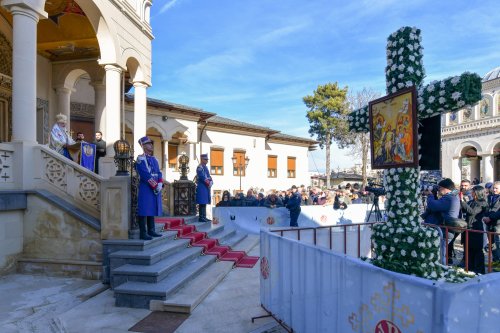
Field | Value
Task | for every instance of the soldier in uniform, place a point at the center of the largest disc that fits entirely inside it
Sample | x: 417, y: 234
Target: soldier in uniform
x: 293, y: 205
x: 203, y: 184
x: 149, y: 193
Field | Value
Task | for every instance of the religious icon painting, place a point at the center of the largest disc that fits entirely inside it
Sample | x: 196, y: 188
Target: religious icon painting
x: 393, y: 130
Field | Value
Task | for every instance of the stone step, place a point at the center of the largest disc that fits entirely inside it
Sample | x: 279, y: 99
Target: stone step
x: 138, y: 244
x: 156, y: 272
x: 135, y: 294
x: 148, y: 256
x: 187, y: 298
x: 152, y: 265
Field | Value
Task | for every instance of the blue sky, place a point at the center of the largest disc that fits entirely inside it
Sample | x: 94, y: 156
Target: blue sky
x: 254, y: 60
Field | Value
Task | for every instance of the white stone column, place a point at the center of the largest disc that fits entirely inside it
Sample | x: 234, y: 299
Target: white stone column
x: 99, y: 105
x: 456, y: 172
x: 140, y: 115
x: 112, y: 119
x: 487, y: 168
x: 24, y: 33
x: 112, y: 113
x: 64, y: 103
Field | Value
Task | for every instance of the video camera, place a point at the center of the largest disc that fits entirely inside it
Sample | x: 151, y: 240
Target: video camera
x: 375, y: 188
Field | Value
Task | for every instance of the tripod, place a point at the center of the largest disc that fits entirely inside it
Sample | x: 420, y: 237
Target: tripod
x: 375, y: 208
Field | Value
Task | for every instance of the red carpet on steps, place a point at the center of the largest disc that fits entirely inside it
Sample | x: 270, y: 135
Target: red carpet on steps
x: 210, y: 246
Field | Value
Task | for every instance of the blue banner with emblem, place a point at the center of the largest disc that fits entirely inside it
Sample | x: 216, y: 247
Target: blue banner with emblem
x: 87, y: 155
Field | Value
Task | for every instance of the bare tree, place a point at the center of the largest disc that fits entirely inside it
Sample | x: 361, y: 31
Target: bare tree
x: 360, y: 146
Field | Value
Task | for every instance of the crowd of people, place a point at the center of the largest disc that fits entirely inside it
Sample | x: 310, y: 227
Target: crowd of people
x: 340, y: 198
x: 471, y: 206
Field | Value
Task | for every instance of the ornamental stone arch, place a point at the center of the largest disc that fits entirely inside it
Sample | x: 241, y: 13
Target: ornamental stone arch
x: 133, y: 62
x: 146, y: 12
x: 465, y: 144
x: 98, y: 13
x: 177, y: 131
x: 66, y: 74
x: 157, y: 126
x: 490, y: 149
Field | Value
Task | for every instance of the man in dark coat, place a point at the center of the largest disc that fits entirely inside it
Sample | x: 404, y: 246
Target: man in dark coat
x: 150, y: 185
x: 293, y: 204
x: 203, y: 184
x: 447, y: 207
x: 100, y: 147
x: 492, y: 218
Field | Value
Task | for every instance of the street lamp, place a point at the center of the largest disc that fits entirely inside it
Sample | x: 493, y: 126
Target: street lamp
x: 122, y: 157
x: 241, y: 164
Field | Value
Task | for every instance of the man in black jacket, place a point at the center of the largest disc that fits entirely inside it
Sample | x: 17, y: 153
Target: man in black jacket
x: 100, y: 146
x: 293, y: 204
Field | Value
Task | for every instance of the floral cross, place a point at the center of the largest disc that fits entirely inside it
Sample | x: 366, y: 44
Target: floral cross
x: 402, y: 244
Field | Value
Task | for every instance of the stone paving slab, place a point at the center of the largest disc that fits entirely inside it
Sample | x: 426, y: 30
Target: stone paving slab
x: 29, y: 302
x: 47, y: 304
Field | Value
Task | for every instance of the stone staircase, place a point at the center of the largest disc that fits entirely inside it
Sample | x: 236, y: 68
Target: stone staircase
x: 165, y: 274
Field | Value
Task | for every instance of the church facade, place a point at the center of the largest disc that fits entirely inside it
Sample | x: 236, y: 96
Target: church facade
x: 471, y: 137
x: 78, y: 58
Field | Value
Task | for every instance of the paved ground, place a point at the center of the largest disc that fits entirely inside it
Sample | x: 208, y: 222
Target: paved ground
x: 48, y: 304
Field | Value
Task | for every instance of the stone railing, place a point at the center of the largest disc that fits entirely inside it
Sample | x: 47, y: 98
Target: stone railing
x: 6, y: 165
x: 482, y: 124
x: 74, y: 182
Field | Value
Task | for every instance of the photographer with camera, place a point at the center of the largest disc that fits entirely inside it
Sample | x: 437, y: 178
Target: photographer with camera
x: 443, y: 208
x: 443, y: 205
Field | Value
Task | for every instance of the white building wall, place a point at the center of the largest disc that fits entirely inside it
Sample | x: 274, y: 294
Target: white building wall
x: 480, y: 133
x: 256, y: 172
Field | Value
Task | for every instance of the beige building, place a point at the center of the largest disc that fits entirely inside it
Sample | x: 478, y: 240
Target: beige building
x: 471, y: 137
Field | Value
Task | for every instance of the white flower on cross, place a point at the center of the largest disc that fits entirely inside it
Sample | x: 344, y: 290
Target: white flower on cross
x: 442, y: 100
x: 394, y: 89
x: 431, y: 99
x: 456, y: 95
x: 414, y: 253
x: 455, y: 80
x: 460, y: 104
x: 409, y: 84
x: 403, y: 252
x: 401, y: 67
x: 430, y: 88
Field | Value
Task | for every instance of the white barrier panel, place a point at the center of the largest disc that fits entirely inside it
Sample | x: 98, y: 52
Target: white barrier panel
x: 352, y: 240
x: 315, y: 290
x: 252, y: 219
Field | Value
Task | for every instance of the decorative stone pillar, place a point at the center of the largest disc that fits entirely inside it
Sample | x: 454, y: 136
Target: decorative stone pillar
x: 64, y: 103
x: 140, y: 115
x: 112, y: 119
x: 100, y: 105
x: 488, y: 168
x: 25, y: 19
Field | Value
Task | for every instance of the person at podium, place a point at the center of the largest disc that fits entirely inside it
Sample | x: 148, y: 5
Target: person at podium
x: 59, y: 139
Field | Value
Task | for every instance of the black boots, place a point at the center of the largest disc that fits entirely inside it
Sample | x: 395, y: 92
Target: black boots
x: 150, y: 230
x: 151, y: 227
x: 203, y: 214
x: 142, y: 228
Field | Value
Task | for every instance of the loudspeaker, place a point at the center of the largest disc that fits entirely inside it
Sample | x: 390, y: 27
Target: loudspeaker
x: 430, y: 143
